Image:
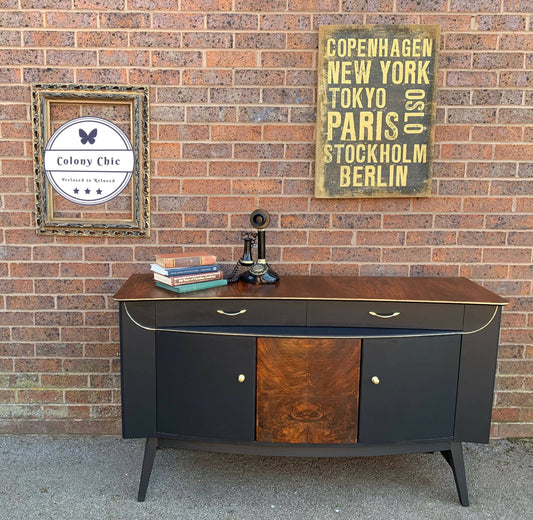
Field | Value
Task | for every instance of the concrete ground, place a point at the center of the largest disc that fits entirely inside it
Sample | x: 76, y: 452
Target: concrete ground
x: 43, y: 477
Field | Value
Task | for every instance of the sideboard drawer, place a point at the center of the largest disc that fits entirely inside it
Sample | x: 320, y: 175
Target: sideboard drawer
x: 186, y: 313
x: 395, y: 315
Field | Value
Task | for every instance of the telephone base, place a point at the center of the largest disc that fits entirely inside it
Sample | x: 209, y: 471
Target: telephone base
x: 268, y: 276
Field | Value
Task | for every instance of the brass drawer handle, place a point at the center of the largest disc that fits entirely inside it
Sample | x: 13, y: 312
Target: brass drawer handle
x: 384, y: 316
x: 242, y: 311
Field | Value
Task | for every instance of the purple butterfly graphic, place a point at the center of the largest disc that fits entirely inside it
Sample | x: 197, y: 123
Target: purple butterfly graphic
x: 90, y: 137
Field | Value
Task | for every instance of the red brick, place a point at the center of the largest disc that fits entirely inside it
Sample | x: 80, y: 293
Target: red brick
x: 49, y: 39
x: 102, y: 39
x: 207, y: 77
x: 187, y: 237
x: 40, y: 396
x: 288, y: 133
x: 211, y: 220
x: 125, y: 20
x: 262, y: 151
x: 94, y: 427
x: 285, y: 22
x: 497, y: 61
x: 501, y: 22
x: 231, y: 58
x: 480, y: 238
x: 516, y: 42
x: 20, y: 19
x: 431, y: 237
x: 206, y: 150
x: 263, y: 40
x: 124, y: 58
x: 232, y: 21
x: 325, y: 238
x: 259, y: 77
x: 286, y: 59
x: 506, y: 414
x: 28, y: 302
x: 514, y: 152
x: 498, y: 133
x: 285, y: 204
x: 466, y: 151
x: 177, y: 132
x: 234, y: 96
x: 506, y: 255
x: 153, y: 76
x: 463, y: 255
x: 211, y: 114
x: 422, y: 5
x: 475, y: 5
x: 64, y: 411
x: 103, y: 411
x: 206, y: 186
x: 101, y: 76
x: 260, y: 5
x: 236, y: 132
x: 64, y: 381
x: 452, y: 133
x: 74, y: 269
x: 406, y: 254
x: 219, y: 204
x: 207, y: 40
x: 88, y: 396
x: 75, y: 20
x: 473, y: 79
x: 305, y: 254
x: 259, y: 187
x: 165, y: 151
x: 206, y: 5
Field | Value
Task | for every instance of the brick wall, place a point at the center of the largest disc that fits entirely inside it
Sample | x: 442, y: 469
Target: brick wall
x: 233, y: 88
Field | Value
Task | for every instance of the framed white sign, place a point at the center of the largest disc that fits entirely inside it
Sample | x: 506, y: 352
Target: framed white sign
x: 91, y: 160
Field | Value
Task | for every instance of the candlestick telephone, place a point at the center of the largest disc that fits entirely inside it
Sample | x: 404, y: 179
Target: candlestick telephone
x: 257, y: 271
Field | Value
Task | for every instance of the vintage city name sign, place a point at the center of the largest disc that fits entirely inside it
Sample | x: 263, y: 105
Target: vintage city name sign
x: 89, y: 160
x: 376, y: 110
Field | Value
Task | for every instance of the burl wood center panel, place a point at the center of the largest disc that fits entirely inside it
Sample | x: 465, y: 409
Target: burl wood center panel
x: 307, y: 390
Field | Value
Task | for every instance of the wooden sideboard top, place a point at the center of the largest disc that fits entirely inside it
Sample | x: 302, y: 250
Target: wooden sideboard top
x: 357, y: 288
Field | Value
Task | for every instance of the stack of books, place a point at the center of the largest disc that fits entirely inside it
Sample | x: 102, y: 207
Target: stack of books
x: 186, y: 272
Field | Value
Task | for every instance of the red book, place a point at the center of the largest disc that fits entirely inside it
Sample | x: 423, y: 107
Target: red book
x: 184, y: 259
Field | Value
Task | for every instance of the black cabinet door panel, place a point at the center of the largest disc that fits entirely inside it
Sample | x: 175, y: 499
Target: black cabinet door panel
x: 408, y: 388
x: 198, y: 388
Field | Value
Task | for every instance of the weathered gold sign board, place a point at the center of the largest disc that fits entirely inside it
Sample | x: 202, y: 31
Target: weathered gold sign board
x: 376, y: 110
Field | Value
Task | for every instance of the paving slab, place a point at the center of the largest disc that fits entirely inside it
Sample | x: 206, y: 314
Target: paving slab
x: 78, y: 477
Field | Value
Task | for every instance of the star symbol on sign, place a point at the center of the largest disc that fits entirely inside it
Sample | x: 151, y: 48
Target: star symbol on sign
x: 99, y: 191
x: 87, y: 191
x: 76, y: 191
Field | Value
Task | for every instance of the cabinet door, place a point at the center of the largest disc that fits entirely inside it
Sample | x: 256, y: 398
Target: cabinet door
x: 206, y: 386
x: 408, y: 388
x: 307, y: 390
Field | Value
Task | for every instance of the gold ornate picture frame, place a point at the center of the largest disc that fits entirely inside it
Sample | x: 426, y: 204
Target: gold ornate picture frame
x: 83, y: 137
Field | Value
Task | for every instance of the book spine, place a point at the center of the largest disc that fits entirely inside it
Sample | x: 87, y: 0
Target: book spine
x: 188, y: 278
x: 189, y: 261
x: 178, y: 271
x: 193, y: 286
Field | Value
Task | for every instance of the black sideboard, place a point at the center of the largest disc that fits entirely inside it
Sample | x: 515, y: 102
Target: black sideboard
x: 310, y: 366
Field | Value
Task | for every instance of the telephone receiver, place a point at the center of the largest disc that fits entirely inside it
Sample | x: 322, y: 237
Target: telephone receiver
x: 258, y: 271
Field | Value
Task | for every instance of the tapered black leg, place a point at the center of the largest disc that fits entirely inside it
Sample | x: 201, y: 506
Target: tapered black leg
x: 148, y: 461
x: 454, y: 457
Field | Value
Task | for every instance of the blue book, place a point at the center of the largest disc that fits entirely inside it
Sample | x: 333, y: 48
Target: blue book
x: 190, y: 287
x: 177, y: 271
